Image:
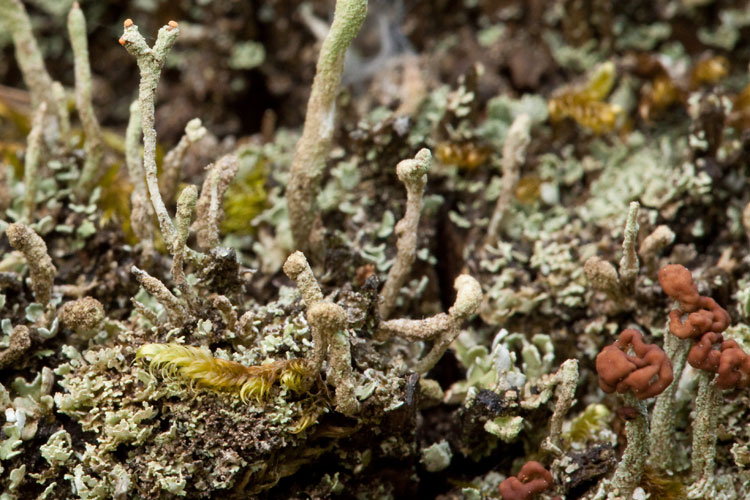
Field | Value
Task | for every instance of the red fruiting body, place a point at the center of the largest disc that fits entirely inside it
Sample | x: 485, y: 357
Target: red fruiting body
x: 703, y: 355
x: 646, y: 374
x: 734, y: 366
x: 704, y: 323
x: 533, y: 478
x: 704, y: 314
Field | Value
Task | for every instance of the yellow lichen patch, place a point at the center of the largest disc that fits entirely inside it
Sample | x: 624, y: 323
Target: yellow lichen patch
x: 585, y: 104
x: 593, y: 419
x: 709, y: 71
x: 114, y: 201
x: 197, y: 366
x: 599, y: 84
x: 658, y: 484
x: 739, y: 118
x: 659, y: 95
x: 465, y: 155
x: 246, y: 197
x: 528, y: 189
x: 309, y: 417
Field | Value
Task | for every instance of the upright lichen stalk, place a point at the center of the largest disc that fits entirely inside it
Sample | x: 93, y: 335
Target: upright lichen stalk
x: 317, y: 134
x: 645, y: 373
x: 141, y: 211
x: 514, y: 155
x: 328, y: 328
x: 171, y: 168
x: 629, y: 263
x: 413, y: 173
x: 150, y: 62
x: 628, y: 473
x: 31, y: 162
x: 661, y: 453
x: 16, y: 21
x: 93, y: 143
x: 220, y: 175
x: 41, y: 268
x: 707, y: 404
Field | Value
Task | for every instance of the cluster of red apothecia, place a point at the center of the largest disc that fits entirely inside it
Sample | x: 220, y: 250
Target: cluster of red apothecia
x: 700, y: 318
x: 646, y: 373
x: 533, y: 478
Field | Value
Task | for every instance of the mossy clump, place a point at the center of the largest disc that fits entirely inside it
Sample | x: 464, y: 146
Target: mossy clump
x: 246, y: 198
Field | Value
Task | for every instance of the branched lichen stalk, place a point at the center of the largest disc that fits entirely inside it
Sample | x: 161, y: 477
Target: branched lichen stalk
x: 161, y: 293
x: 93, y: 144
x: 172, y: 165
x: 31, y: 161
x: 328, y: 329
x: 145, y: 311
x: 442, y: 328
x: 629, y: 262
x: 34, y: 250
x: 514, y: 155
x: 208, y: 209
x: 141, y: 210
x: 317, y: 134
x: 413, y: 174
x: 661, y: 437
x: 324, y: 318
x: 150, y: 62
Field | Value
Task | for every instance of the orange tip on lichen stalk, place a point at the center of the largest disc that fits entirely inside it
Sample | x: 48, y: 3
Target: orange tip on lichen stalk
x: 172, y: 25
x: 128, y: 23
x: 122, y: 41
